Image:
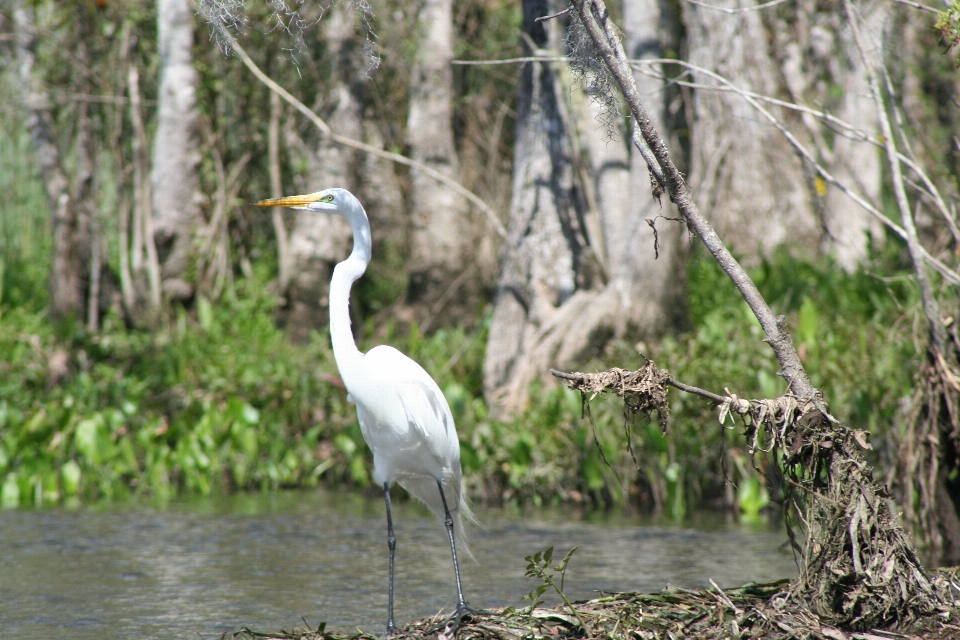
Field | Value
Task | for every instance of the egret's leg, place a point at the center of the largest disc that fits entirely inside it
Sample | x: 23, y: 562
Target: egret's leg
x: 392, y: 543
x: 462, y: 607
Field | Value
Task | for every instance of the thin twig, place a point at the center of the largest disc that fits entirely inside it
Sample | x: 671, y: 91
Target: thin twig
x: 723, y: 596
x: 709, y: 395
x: 512, y: 60
x: 362, y: 146
x: 765, y: 5
x: 930, y: 306
x: 555, y: 15
x: 917, y: 5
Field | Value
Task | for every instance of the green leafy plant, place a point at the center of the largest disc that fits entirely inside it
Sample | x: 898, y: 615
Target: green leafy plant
x: 948, y: 27
x: 538, y: 566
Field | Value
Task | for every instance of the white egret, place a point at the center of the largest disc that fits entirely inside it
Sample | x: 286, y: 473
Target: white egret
x: 403, y: 415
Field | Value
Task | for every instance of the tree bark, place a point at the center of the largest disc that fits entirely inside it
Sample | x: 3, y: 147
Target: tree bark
x: 850, y: 229
x: 651, y: 288
x: 276, y: 191
x: 442, y: 276
x: 751, y: 184
x: 549, y: 275
x: 318, y: 242
x: 67, y: 274
x: 176, y: 211
x: 144, y: 261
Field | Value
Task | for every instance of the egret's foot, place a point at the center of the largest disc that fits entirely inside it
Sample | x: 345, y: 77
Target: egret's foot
x: 391, y: 631
x: 449, y: 627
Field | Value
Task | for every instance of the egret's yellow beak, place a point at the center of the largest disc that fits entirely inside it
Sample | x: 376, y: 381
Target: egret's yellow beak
x: 289, y: 201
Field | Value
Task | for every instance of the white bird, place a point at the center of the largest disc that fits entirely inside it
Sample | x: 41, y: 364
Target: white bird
x: 404, y: 416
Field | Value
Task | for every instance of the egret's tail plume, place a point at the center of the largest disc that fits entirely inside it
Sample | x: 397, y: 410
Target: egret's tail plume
x: 463, y: 514
x: 425, y: 490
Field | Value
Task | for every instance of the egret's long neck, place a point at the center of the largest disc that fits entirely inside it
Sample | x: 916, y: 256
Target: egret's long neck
x: 344, y: 275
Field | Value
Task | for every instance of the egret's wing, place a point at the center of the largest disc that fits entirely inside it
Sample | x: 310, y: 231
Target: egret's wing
x: 425, y: 408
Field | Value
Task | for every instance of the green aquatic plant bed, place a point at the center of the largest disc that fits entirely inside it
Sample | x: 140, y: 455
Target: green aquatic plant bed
x: 216, y: 398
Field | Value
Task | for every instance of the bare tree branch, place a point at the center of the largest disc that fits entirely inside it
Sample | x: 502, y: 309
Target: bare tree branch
x: 930, y: 306
x: 754, y: 100
x: 606, y: 38
x: 759, y: 7
x: 356, y: 144
x: 843, y: 128
x: 917, y: 5
x: 512, y: 60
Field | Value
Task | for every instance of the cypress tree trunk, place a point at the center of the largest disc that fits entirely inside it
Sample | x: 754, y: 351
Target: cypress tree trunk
x: 854, y: 162
x: 549, y: 274
x: 443, y: 279
x: 175, y: 185
x: 68, y: 272
x: 749, y: 182
x: 318, y: 242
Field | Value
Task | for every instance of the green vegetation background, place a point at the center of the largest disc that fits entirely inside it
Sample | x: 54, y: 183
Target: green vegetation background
x: 217, y: 399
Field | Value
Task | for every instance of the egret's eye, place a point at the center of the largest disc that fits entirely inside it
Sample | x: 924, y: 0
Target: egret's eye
x: 326, y: 199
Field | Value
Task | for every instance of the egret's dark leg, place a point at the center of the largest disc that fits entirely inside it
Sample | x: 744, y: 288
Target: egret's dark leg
x: 462, y: 608
x: 392, y: 543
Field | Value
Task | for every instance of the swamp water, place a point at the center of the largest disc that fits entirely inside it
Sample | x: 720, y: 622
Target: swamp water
x: 199, y: 568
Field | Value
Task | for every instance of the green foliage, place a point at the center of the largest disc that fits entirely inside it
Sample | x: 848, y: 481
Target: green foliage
x: 855, y: 336
x: 538, y: 566
x: 215, y: 404
x: 948, y: 27
x: 219, y: 400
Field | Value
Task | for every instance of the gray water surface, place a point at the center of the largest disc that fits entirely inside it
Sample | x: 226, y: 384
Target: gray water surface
x: 212, y: 566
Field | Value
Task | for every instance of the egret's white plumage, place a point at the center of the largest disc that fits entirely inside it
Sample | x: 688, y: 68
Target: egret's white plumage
x: 403, y: 415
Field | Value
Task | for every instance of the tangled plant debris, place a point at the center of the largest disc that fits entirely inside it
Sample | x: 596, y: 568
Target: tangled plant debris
x: 752, y: 611
x: 643, y: 391
x: 858, y: 568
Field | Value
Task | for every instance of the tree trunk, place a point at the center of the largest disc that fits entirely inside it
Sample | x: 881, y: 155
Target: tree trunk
x: 68, y: 273
x: 443, y: 278
x: 748, y: 180
x: 651, y: 288
x: 549, y: 276
x: 276, y: 191
x: 816, y: 55
x: 849, y: 228
x: 144, y: 261
x: 579, y: 265
x: 176, y: 210
x: 318, y: 242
